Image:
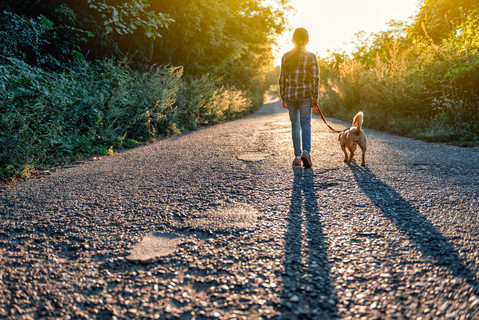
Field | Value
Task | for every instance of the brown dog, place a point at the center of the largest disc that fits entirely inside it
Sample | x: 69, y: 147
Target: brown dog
x: 352, y: 137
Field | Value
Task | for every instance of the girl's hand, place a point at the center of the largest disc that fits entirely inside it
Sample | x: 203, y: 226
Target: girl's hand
x: 285, y: 105
x: 315, y: 103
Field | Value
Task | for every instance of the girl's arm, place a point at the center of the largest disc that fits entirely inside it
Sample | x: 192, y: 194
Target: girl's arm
x: 282, y: 80
x: 314, y: 74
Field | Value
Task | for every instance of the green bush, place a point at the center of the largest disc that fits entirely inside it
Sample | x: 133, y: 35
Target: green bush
x: 425, y: 92
x: 199, y: 102
x: 58, y: 104
x: 50, y: 118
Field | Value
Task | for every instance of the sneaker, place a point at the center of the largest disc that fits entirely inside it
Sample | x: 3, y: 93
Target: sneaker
x: 306, y: 160
x: 297, y: 161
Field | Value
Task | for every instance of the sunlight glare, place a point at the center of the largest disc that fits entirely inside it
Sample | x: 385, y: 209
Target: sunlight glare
x: 332, y: 24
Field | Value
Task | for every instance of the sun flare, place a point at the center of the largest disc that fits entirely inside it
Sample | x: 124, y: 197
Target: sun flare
x: 332, y: 24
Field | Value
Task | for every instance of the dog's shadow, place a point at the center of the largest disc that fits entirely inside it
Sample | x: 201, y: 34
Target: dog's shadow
x: 412, y: 223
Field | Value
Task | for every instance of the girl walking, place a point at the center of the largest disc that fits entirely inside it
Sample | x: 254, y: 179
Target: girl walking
x: 299, y: 87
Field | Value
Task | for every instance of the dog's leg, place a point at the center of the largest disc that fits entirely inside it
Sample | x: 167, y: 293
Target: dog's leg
x: 363, y: 157
x: 345, y: 153
x: 351, y: 154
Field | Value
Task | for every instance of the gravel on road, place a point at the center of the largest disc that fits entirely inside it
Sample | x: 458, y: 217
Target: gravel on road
x: 241, y: 234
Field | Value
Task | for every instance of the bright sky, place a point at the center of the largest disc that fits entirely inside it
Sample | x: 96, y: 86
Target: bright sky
x: 332, y: 23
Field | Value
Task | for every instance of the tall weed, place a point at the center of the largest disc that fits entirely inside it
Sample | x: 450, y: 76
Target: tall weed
x: 427, y: 92
x: 199, y: 102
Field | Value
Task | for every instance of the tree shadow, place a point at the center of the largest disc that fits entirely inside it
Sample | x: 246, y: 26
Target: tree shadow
x: 307, y: 285
x: 412, y: 223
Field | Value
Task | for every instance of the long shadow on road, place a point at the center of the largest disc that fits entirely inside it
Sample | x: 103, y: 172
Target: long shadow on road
x: 307, y: 285
x: 412, y: 223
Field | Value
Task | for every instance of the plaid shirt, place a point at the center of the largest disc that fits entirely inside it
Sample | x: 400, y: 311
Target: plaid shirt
x: 302, y: 82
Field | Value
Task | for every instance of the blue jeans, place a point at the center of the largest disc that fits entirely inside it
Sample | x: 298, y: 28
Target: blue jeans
x: 300, y: 116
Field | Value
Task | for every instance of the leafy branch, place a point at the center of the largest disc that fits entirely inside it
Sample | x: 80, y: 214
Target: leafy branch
x: 130, y: 16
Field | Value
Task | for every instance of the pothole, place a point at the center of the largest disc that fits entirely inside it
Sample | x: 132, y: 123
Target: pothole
x: 223, y: 219
x: 154, y: 245
x: 159, y: 244
x: 253, y: 156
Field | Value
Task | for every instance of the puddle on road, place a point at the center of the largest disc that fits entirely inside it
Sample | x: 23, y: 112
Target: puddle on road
x: 253, y: 156
x: 154, y: 245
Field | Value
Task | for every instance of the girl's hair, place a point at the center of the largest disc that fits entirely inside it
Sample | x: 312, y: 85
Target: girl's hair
x: 300, y: 38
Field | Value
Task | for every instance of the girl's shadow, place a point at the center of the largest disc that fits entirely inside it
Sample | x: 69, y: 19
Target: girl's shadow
x: 307, y: 285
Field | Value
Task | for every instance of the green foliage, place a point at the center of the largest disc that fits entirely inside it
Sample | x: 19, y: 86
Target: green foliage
x: 231, y: 40
x: 200, y: 102
x: 66, y: 91
x: 38, y: 41
x: 127, y: 17
x: 441, y: 19
x: 26, y: 38
x: 49, y: 118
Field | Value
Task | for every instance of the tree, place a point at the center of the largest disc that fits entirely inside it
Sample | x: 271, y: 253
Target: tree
x: 439, y: 19
x: 231, y: 39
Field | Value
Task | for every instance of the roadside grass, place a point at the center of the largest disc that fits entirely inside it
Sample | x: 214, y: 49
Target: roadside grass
x: 414, y: 127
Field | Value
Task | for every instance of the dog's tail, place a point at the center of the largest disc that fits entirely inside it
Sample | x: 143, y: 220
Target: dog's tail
x: 358, y: 121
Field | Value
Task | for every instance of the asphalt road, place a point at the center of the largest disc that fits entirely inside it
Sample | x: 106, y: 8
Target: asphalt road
x: 243, y: 235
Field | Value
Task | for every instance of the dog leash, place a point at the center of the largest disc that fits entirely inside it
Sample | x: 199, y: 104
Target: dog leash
x: 318, y: 110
